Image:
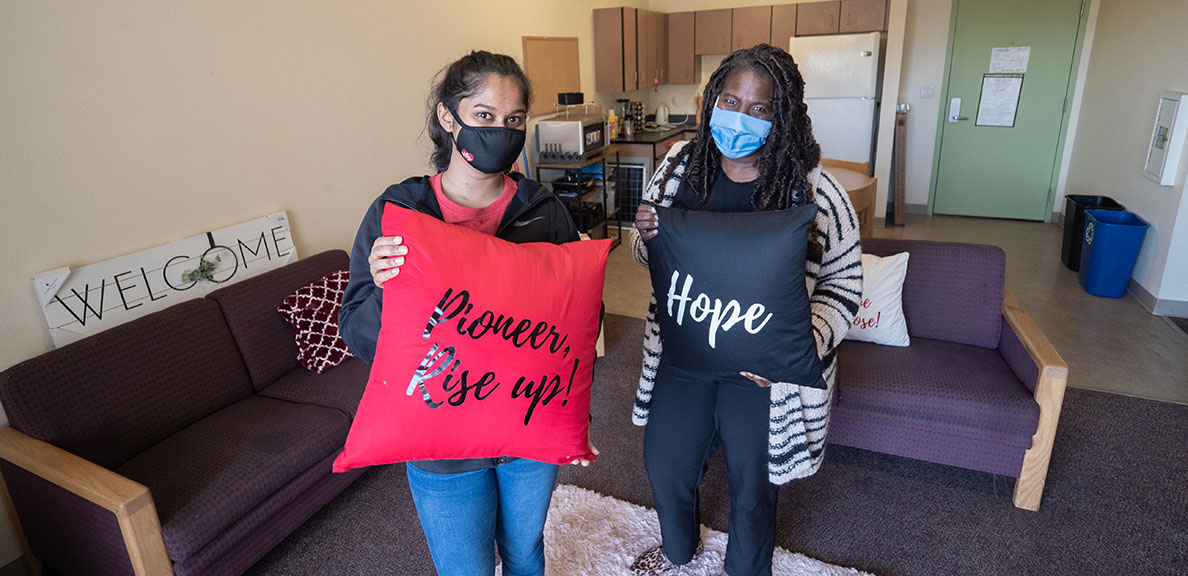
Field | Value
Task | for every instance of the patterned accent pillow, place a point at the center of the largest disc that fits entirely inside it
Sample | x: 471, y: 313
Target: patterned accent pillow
x: 313, y: 312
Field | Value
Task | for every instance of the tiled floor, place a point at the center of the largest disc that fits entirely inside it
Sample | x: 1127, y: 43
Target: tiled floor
x: 1111, y: 345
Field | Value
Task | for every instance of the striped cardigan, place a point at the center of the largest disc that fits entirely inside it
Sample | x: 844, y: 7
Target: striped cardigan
x: 799, y: 416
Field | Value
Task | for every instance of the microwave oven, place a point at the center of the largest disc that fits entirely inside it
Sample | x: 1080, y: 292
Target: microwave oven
x: 572, y: 141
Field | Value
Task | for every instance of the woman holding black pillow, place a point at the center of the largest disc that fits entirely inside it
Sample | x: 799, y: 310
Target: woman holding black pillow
x: 754, y: 152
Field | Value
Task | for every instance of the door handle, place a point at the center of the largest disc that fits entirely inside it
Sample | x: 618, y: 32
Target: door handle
x: 955, y: 111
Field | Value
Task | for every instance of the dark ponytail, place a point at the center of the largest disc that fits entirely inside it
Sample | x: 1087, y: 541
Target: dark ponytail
x: 463, y: 79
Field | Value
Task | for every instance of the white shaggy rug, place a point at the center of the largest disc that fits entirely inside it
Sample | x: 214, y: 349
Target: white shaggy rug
x: 591, y: 534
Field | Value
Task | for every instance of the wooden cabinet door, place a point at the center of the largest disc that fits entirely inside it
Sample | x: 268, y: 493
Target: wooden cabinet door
x: 608, y: 49
x: 817, y: 18
x: 659, y: 25
x: 712, y: 32
x: 616, y: 63
x: 662, y: 148
x: 783, y: 24
x: 646, y: 55
x: 750, y: 26
x: 653, y: 47
x: 630, y: 51
x: 683, y: 66
x: 863, y: 16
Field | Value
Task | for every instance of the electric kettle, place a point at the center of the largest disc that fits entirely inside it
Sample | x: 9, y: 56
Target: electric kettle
x: 662, y: 114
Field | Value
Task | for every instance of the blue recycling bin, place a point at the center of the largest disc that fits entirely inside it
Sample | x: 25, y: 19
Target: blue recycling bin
x: 1109, y: 250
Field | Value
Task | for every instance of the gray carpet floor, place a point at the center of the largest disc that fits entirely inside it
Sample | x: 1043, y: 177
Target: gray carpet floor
x: 1116, y: 500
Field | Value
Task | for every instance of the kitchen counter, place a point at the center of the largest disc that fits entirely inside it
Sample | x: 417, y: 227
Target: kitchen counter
x: 646, y: 137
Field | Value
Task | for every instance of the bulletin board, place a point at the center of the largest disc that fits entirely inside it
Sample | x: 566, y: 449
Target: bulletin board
x: 551, y: 63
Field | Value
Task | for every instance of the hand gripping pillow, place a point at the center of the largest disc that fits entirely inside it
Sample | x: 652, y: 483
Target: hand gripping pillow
x: 731, y: 295
x: 486, y: 349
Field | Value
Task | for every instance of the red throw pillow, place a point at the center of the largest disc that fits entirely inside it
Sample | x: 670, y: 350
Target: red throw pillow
x: 486, y: 349
x: 313, y: 312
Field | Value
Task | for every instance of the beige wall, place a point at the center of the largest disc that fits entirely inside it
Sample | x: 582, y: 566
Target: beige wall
x: 129, y: 124
x: 1133, y: 59
x: 926, y: 41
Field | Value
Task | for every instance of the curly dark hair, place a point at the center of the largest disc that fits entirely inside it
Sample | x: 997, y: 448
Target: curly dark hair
x: 790, y: 151
x: 463, y: 79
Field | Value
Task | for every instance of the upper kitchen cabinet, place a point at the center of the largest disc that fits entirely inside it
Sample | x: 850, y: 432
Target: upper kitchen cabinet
x: 659, y: 23
x: 750, y: 26
x: 616, y: 57
x: 683, y: 66
x: 783, y: 24
x: 712, y: 32
x: 817, y: 18
x: 863, y: 16
x: 652, y: 43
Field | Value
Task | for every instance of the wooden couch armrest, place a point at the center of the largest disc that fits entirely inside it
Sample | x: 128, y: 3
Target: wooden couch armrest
x: 1049, y: 394
x: 130, y: 501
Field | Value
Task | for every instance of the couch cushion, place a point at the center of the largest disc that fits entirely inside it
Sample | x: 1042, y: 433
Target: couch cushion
x: 941, y: 382
x: 264, y: 338
x: 953, y: 292
x: 209, y: 475
x: 949, y: 444
x: 340, y: 387
x: 114, y: 394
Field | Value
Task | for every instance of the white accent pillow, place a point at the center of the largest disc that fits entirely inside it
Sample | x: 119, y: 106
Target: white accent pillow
x: 880, y: 312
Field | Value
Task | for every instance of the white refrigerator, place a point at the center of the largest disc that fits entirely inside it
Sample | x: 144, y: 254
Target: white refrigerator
x: 841, y: 82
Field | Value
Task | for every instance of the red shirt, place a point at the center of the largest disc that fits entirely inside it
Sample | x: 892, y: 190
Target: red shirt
x: 486, y: 219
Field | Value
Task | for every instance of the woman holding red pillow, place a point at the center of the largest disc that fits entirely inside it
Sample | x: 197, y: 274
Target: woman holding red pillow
x: 478, y: 110
x: 755, y: 151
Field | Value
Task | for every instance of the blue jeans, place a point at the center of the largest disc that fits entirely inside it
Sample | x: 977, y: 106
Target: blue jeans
x: 466, y: 515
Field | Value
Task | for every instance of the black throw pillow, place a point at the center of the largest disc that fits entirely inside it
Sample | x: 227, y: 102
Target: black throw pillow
x: 731, y: 295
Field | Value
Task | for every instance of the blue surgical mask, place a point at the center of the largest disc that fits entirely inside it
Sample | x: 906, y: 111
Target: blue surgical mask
x: 737, y: 134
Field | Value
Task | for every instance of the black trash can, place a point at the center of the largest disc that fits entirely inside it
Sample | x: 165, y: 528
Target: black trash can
x: 1075, y: 206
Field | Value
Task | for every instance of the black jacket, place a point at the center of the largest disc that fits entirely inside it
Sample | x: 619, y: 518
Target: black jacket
x: 533, y: 215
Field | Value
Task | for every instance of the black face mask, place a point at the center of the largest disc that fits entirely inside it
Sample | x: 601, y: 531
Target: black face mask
x: 490, y: 149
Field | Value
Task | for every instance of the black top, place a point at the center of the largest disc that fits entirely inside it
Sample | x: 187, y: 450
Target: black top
x: 533, y: 215
x: 725, y: 195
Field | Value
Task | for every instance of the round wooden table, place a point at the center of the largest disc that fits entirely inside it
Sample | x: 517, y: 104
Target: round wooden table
x: 861, y: 189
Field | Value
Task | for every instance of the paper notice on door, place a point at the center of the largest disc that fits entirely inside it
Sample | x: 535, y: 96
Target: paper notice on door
x: 999, y: 101
x: 1009, y: 59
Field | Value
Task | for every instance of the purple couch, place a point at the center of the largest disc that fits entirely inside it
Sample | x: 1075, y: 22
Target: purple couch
x: 189, y: 441
x: 979, y: 387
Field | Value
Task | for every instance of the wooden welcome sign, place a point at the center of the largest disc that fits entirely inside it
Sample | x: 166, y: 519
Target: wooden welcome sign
x: 91, y: 299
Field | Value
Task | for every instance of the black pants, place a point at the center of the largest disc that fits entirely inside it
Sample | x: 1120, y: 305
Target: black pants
x: 691, y: 414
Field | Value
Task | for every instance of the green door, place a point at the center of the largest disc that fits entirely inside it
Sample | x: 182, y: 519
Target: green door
x: 1009, y: 68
